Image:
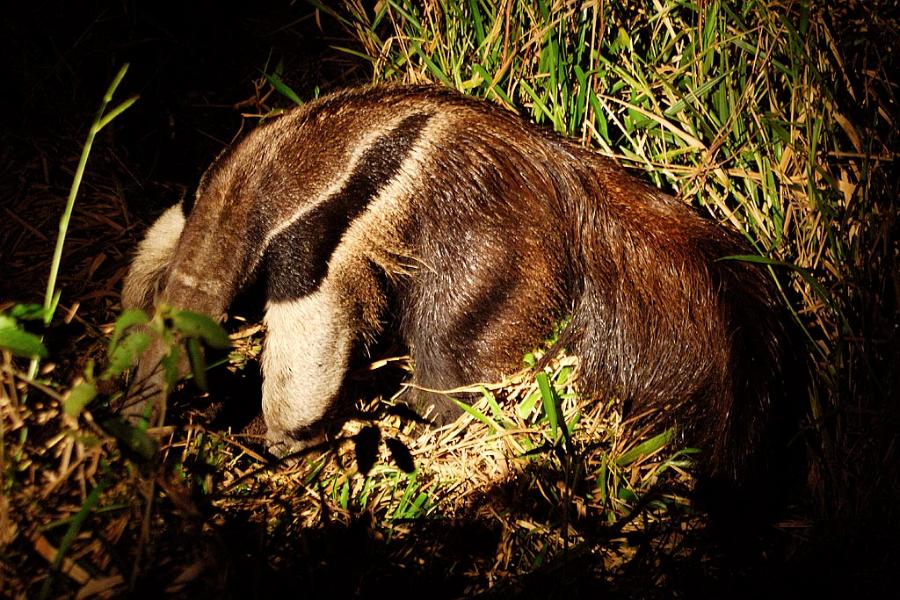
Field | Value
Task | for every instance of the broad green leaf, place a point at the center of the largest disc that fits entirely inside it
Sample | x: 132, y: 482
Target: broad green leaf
x: 345, y: 495
x: 476, y: 20
x: 420, y: 502
x: 79, y: 397
x: 129, y: 318
x: 599, y: 117
x: 573, y: 422
x: 626, y: 495
x: 196, y: 325
x: 529, y: 360
x: 602, y: 475
x: 170, y: 364
x: 527, y: 405
x: 494, y: 406
x: 198, y: 363
x: 22, y: 343
x: 27, y: 312
x: 125, y: 354
x: 563, y: 376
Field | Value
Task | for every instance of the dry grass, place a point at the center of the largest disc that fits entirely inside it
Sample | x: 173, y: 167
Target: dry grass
x: 415, y: 495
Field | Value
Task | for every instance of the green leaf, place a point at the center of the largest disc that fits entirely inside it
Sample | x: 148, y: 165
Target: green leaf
x: 196, y: 325
x: 345, y: 495
x: 602, y: 475
x: 51, y: 310
x: 540, y: 108
x: 471, y: 410
x: 198, y: 363
x: 496, y: 90
x: 563, y: 376
x: 27, y: 312
x: 129, y: 318
x: 477, y: 21
x: 79, y: 397
x: 627, y: 495
x: 21, y: 343
x: 170, y: 364
x: 529, y: 360
x: 573, y: 422
x: 549, y: 400
x: 494, y: 406
x: 645, y: 448
x: 355, y: 53
x: 406, y: 15
x: 599, y: 117
x: 527, y: 405
x: 125, y: 354
x: 623, y: 40
x: 115, y: 112
x: 380, y: 15
x: 71, y: 533
x: 432, y: 66
x: 132, y: 437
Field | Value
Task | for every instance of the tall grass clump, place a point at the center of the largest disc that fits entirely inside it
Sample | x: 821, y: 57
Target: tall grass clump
x: 758, y: 112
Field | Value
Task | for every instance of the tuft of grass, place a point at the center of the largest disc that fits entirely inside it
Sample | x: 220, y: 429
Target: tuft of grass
x: 101, y: 120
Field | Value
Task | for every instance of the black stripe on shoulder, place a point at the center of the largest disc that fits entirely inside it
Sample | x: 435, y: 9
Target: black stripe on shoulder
x: 297, y: 258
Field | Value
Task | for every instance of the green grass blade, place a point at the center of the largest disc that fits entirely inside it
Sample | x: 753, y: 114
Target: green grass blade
x: 70, y: 535
x: 644, y: 448
x: 549, y: 400
x: 284, y: 89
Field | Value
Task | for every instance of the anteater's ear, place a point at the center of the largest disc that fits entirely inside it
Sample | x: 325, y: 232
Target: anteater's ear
x: 151, y: 262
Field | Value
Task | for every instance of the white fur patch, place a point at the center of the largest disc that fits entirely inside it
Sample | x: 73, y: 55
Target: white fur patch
x: 153, y: 256
x: 306, y: 354
x: 375, y: 232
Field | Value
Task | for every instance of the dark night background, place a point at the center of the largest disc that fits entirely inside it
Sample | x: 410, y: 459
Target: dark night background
x: 191, y: 63
x: 197, y: 67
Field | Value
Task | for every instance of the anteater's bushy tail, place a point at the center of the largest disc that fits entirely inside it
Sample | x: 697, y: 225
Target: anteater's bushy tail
x: 152, y: 259
x: 666, y: 322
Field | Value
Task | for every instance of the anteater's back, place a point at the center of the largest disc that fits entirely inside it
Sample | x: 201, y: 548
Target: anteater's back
x: 482, y: 232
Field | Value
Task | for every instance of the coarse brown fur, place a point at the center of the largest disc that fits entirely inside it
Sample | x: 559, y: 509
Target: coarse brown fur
x: 483, y: 232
